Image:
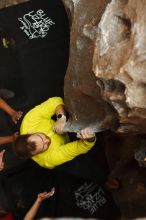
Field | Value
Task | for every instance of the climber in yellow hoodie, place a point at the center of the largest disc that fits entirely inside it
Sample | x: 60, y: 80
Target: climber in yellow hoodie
x: 42, y: 139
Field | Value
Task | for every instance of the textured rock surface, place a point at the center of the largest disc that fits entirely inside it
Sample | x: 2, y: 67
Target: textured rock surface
x: 6, y: 3
x: 82, y: 95
x: 105, y: 87
x: 105, y: 82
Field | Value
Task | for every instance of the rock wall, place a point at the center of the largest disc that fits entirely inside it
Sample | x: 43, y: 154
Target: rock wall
x: 105, y: 88
x: 105, y: 85
x: 6, y: 3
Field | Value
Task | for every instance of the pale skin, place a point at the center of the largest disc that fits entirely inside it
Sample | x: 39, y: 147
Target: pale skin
x: 15, y: 116
x: 59, y: 124
x: 30, y: 215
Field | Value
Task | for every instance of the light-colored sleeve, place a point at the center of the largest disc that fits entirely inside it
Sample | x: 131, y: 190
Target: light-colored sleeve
x: 67, y: 152
x: 47, y: 108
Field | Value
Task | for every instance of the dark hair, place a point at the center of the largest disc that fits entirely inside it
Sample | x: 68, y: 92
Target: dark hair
x: 22, y: 147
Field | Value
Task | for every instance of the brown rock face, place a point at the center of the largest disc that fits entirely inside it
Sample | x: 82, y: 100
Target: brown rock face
x: 6, y: 3
x: 105, y: 87
x: 105, y: 84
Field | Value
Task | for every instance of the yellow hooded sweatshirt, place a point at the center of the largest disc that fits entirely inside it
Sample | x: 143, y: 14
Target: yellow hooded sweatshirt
x: 60, y: 150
